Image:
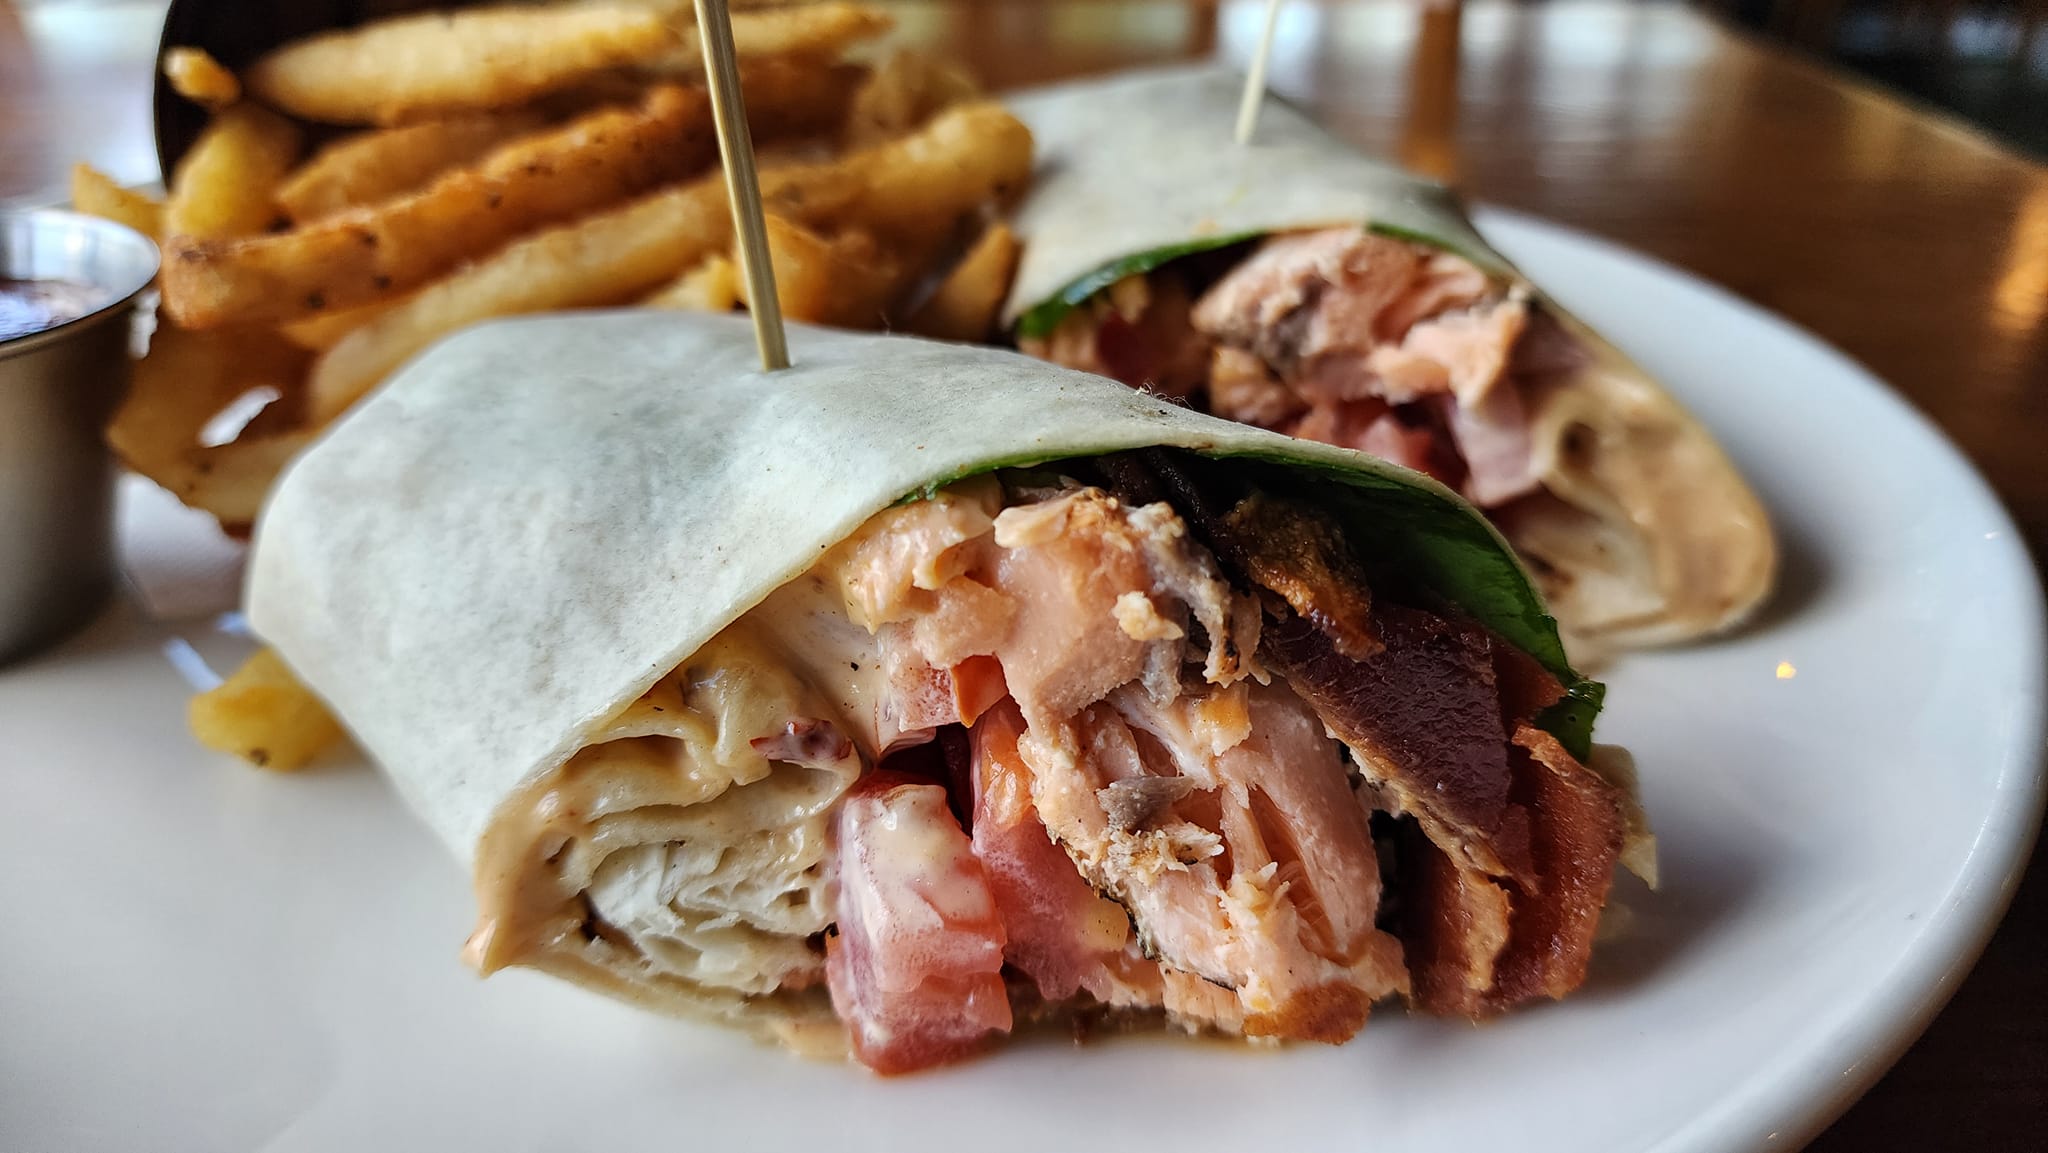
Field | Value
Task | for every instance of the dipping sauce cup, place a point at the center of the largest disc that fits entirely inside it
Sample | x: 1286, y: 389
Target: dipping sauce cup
x: 68, y: 285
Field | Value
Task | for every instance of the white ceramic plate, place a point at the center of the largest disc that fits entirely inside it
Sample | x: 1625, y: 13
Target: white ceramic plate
x: 201, y: 956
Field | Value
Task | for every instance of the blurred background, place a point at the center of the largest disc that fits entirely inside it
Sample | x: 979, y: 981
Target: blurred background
x: 1983, y: 61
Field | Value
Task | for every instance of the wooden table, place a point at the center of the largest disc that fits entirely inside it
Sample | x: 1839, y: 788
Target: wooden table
x: 1910, y: 242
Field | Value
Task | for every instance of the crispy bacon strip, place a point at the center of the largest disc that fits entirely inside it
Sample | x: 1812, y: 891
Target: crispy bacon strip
x: 1476, y: 946
x: 1424, y: 718
x: 1455, y: 924
x: 1575, y: 838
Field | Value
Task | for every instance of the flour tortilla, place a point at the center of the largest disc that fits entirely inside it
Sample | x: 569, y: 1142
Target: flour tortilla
x: 1655, y: 537
x: 489, y: 559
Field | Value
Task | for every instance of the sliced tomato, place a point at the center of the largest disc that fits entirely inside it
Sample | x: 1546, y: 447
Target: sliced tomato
x: 1062, y: 934
x: 915, y: 966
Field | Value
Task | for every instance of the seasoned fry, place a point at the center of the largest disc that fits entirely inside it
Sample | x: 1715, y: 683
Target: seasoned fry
x: 789, y: 98
x: 520, y: 159
x: 713, y: 286
x: 844, y: 280
x: 815, y: 31
x: 961, y: 160
x: 226, y: 186
x: 606, y: 259
x: 387, y: 162
x: 322, y: 332
x: 263, y: 715
x: 685, y: 11
x: 947, y: 169
x: 908, y: 89
x: 913, y: 190
x: 178, y: 388
x: 231, y: 480
x: 413, y: 67
x: 965, y: 304
x: 200, y: 78
x: 819, y: 31
x: 359, y: 256
x: 96, y: 194
x: 183, y: 382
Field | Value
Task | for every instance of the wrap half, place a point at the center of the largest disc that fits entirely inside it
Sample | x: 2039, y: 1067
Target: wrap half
x: 919, y: 689
x: 1298, y: 285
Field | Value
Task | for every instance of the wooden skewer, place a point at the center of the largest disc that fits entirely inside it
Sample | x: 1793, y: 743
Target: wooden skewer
x: 1429, y: 135
x: 742, y: 182
x: 1255, y: 78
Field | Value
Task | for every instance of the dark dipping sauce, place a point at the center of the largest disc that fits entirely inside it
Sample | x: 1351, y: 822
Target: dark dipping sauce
x: 31, y: 306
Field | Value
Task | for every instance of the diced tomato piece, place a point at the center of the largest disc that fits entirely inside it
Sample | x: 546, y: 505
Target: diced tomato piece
x: 1062, y: 934
x: 915, y: 967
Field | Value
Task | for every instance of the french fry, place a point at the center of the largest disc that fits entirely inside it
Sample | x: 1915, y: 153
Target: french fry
x: 609, y: 258
x: 946, y: 169
x: 965, y: 304
x: 322, y: 332
x: 789, y: 98
x: 819, y: 31
x: 908, y: 89
x: 815, y: 31
x: 263, y: 715
x: 96, y: 194
x: 685, y: 11
x: 713, y: 286
x: 845, y: 280
x: 593, y: 91
x: 226, y: 186
x: 918, y: 185
x: 912, y: 191
x: 231, y: 480
x: 386, y: 162
x: 185, y: 380
x: 357, y: 257
x: 200, y: 78
x: 414, y: 67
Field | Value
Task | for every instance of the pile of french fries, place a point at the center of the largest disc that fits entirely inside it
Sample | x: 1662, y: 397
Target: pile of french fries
x: 358, y: 195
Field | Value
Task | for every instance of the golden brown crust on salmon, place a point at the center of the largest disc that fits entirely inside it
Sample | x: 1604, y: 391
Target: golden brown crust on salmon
x: 1332, y: 1014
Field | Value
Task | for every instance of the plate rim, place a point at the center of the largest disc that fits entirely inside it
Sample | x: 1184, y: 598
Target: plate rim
x: 1799, y: 1093
x: 1792, y: 1097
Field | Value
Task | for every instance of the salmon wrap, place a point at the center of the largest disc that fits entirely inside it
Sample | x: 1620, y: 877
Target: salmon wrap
x: 897, y: 700
x: 1299, y: 286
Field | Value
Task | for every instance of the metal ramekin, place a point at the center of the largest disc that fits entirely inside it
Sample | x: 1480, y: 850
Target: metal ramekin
x: 57, y: 389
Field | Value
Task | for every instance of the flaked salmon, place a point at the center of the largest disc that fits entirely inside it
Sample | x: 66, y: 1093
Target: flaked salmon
x: 1167, y: 714
x: 1345, y: 336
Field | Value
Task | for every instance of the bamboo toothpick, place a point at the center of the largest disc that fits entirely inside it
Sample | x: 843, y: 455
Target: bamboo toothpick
x: 1255, y: 79
x: 742, y: 183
